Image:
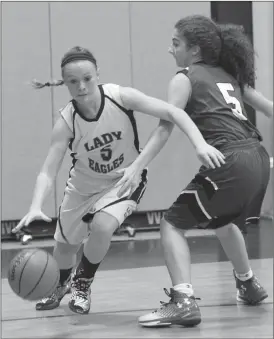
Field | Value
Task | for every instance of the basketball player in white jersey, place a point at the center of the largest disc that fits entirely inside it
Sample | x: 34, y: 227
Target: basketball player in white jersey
x: 98, y: 126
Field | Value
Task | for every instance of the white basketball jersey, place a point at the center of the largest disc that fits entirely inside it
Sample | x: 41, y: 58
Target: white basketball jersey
x: 102, y: 145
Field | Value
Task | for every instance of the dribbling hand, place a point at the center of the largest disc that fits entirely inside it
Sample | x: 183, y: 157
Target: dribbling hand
x: 29, y: 217
x: 210, y: 156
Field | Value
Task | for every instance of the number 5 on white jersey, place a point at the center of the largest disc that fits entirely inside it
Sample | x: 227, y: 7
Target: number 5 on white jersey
x: 237, y: 110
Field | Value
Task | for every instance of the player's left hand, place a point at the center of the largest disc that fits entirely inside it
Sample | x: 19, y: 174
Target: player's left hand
x: 210, y: 156
x: 130, y: 180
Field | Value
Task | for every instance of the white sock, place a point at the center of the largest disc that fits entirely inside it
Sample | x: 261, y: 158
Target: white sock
x: 244, y: 276
x: 184, y: 288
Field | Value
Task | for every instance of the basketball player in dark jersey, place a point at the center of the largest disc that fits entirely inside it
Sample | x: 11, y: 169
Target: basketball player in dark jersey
x: 216, y: 78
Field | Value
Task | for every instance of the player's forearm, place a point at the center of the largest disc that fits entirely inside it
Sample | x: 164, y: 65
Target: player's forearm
x: 42, y: 188
x: 186, y: 125
x: 154, y: 145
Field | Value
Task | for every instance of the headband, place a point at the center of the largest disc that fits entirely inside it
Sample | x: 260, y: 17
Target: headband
x: 77, y: 56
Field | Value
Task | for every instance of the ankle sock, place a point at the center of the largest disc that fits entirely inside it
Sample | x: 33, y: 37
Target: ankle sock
x: 184, y: 288
x: 244, y: 276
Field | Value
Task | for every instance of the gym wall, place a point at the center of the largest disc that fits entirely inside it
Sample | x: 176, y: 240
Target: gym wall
x: 130, y: 41
x: 263, y: 42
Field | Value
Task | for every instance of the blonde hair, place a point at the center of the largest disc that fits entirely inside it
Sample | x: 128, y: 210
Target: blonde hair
x: 74, y: 54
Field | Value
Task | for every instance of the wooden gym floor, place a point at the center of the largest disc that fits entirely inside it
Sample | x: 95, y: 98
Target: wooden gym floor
x: 122, y: 292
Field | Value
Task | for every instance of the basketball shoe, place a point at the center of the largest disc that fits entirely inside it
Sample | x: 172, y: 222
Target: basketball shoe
x: 53, y: 301
x: 80, y: 297
x: 250, y: 291
x: 180, y: 310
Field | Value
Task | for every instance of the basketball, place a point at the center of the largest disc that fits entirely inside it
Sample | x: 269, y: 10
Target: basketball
x: 33, y: 274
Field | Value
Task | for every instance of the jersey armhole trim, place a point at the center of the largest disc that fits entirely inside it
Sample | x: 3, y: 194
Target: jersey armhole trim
x: 130, y: 115
x: 118, y: 105
x: 73, y: 130
x: 183, y: 71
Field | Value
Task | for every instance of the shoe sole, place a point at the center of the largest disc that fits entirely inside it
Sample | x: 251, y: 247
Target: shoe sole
x: 247, y: 302
x: 186, y: 322
x: 48, y: 307
x: 77, y: 310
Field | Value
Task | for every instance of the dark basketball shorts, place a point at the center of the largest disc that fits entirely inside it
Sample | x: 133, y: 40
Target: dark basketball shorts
x: 233, y: 193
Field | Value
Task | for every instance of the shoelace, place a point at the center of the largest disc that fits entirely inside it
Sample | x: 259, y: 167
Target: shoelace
x: 165, y: 304
x: 51, y: 297
x: 79, y: 295
x: 81, y: 288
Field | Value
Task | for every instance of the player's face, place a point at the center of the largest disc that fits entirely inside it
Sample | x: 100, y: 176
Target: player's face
x: 81, y: 78
x: 181, y: 53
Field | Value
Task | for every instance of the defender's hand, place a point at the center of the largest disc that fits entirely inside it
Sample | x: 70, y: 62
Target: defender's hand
x: 210, y: 156
x: 130, y: 180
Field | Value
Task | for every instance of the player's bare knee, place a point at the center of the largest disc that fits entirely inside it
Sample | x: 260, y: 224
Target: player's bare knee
x: 103, y: 225
x: 167, y: 225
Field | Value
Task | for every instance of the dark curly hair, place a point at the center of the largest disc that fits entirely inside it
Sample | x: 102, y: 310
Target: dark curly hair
x: 221, y: 45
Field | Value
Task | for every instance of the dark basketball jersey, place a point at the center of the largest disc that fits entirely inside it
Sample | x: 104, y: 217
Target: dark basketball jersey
x: 216, y: 105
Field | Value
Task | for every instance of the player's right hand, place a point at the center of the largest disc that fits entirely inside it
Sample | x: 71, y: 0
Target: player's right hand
x: 210, y: 156
x: 29, y: 217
